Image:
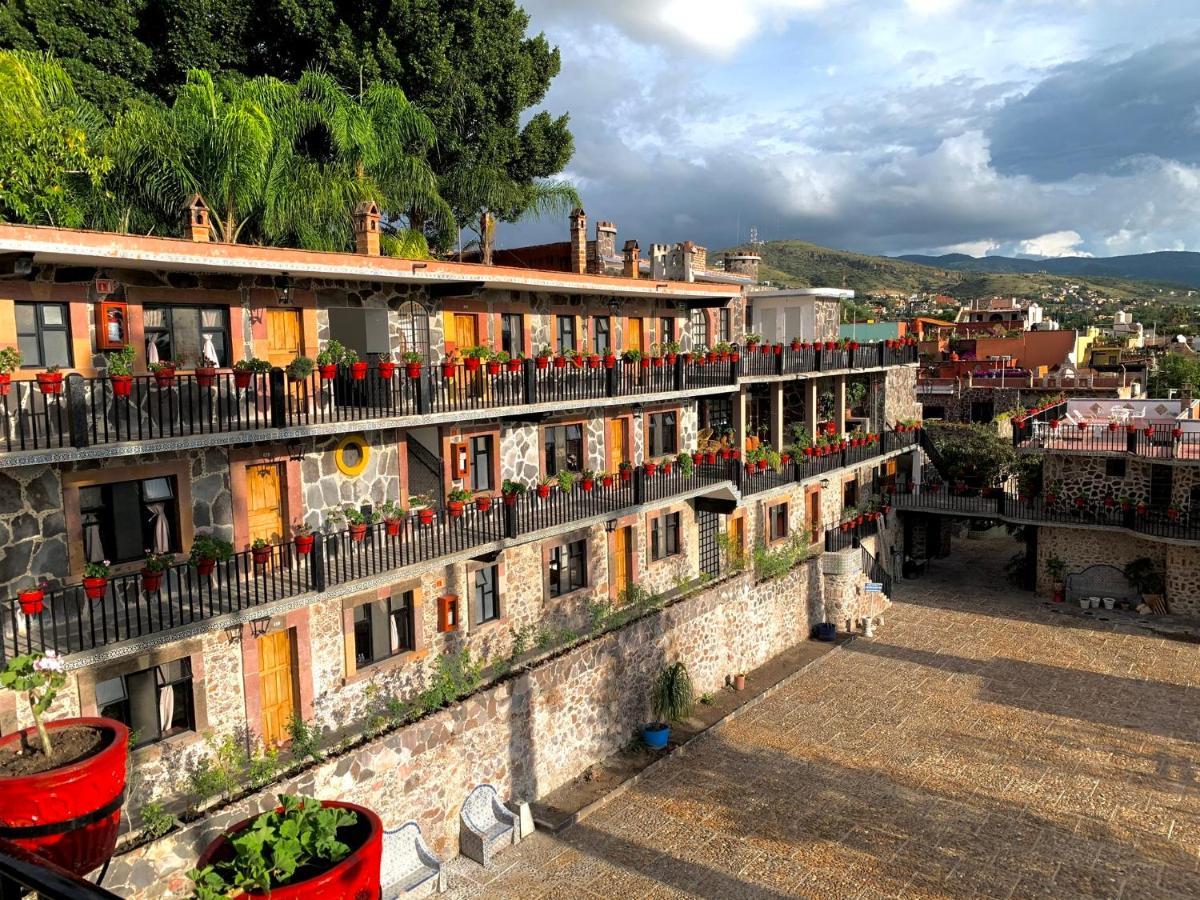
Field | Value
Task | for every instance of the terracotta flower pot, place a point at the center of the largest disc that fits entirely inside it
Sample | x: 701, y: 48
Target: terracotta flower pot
x: 412, y: 370
x: 205, y: 567
x: 626, y: 474
x: 95, y: 588
x: 448, y: 370
x: 70, y: 814
x: 455, y: 508
x: 122, y: 385
x: 261, y: 555
x: 205, y: 375
x: 542, y: 362
x: 165, y: 377
x: 560, y: 362
x: 739, y: 682
x: 610, y: 361
x: 242, y: 378
x: 425, y: 515
x: 304, y: 543
x: 32, y: 601
x: 510, y: 498
x: 5, y: 383
x: 358, y: 532
x: 493, y: 367
x: 543, y: 491
x: 358, y: 370
x: 587, y: 484
x: 50, y: 382
x: 392, y: 526
x: 513, y: 365
x: 484, y: 503
x: 671, y: 357
x: 387, y: 370
x: 151, y: 580
x: 649, y: 468
x: 471, y: 363
x: 710, y: 458
x: 667, y: 468
x: 607, y: 481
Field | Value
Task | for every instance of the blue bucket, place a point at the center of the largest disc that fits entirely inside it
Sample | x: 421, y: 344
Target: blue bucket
x: 826, y: 631
x: 656, y: 736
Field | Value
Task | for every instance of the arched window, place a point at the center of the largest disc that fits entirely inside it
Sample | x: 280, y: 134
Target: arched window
x: 414, y: 328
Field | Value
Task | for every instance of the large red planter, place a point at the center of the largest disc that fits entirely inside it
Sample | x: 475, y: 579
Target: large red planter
x: 122, y: 385
x: 304, y: 543
x: 328, y: 372
x: 69, y: 815
x: 205, y: 567
x: 151, y: 580
x: 5, y: 383
x: 358, y: 532
x: 387, y: 369
x: 50, y: 382
x: 358, y: 370
x: 94, y: 588
x: 354, y: 878
x: 542, y: 362
x: 205, y: 375
x: 32, y: 601
x: 412, y: 370
x: 242, y: 378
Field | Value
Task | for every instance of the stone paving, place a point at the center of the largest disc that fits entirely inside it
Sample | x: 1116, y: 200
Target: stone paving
x: 979, y: 745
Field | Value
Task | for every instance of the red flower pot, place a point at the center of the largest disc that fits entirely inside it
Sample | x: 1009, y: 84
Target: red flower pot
x: 712, y: 357
x: 471, y: 363
x: 205, y: 567
x: 79, y: 804
x: 1112, y: 426
x: 726, y: 453
x: 626, y: 474
x: 845, y: 526
x: 513, y: 365
x: 560, y: 362
x: 510, y: 499
x: 657, y: 361
x: 358, y: 370
x: 667, y: 467
x: 493, y: 367
x: 455, y: 508
x: 94, y: 588
x: 607, y: 481
x: 50, y: 382
x: 483, y: 504
x: 122, y: 385
x: 412, y: 370
x: 735, y: 356
x: 392, y: 526
x: 386, y: 370
x: 722, y: 357
x: 165, y: 377
x: 593, y: 361
x: 751, y: 346
x: 304, y: 543
x: 425, y: 515
x: 697, y: 458
x: 751, y: 468
x: 778, y: 348
x: 1131, y: 429
x: 205, y: 375
x: 577, y: 361
x: 808, y: 451
x: 354, y: 878
x: 448, y: 370
x: 710, y: 457
x: 151, y: 581
x: 829, y: 345
x: 645, y: 362
x: 610, y: 361
x: 358, y: 532
x: 1172, y: 514
x: 328, y: 372
x: 1177, y: 433
x: 542, y: 362
x: 5, y: 383
x: 795, y: 345
x: 762, y: 465
x: 785, y: 458
x: 1082, y: 426
x: 32, y: 601
x: 649, y: 468
x: 242, y: 378
x: 261, y: 555
x: 587, y: 484
x: 671, y: 357
x: 543, y: 491
x: 1054, y: 424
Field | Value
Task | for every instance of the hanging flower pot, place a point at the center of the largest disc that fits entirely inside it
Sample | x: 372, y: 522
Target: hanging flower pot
x: 543, y: 491
x: 542, y: 362
x: 1142, y: 509
x: 304, y: 543
x: 358, y: 370
x: 712, y: 357
x: 387, y: 370
x: 726, y: 453
x: 510, y: 498
x: 122, y: 385
x: 751, y: 467
x: 1177, y: 433
x: 412, y: 370
x: 1109, y: 502
x: 261, y: 555
x: 785, y: 458
x: 205, y: 566
x: 448, y: 370
x: 734, y: 356
x: 5, y: 383
x: 205, y: 375
x: 795, y: 345
x: 607, y: 481
x: 151, y: 580
x: 560, y: 362
x: 1112, y: 426
x: 649, y: 468
x: 50, y: 382
x: 164, y: 377
x: 697, y: 458
x: 493, y: 367
x: 1054, y: 424
x: 425, y: 515
x: 471, y: 363
x: 392, y: 526
x: 483, y: 503
x: 671, y: 357
x: 94, y: 588
x: 845, y: 527
x: 358, y: 531
x: 513, y: 365
x: 328, y: 371
x: 667, y: 468
x: 626, y: 474
x: 1082, y: 426
x: 645, y: 362
x: 710, y: 457
x: 762, y: 465
x: 1150, y: 431
x: 656, y: 361
x: 455, y: 508
x: 593, y: 361
x: 723, y: 357
x: 577, y: 361
x: 829, y: 345
x: 32, y: 601
x: 609, y: 361
x: 809, y: 451
x: 243, y: 377
x: 1172, y: 513
x: 1080, y: 502
x: 587, y: 484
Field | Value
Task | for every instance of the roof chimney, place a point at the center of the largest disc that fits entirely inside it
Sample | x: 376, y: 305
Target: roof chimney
x: 195, y: 220
x: 578, y: 240
x: 366, y: 228
x: 630, y: 264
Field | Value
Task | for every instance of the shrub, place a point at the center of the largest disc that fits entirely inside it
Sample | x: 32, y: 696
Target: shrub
x: 156, y: 821
x: 672, y: 699
x: 306, y: 740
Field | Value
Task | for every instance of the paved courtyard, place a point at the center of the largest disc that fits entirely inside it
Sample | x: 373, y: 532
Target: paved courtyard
x: 980, y: 745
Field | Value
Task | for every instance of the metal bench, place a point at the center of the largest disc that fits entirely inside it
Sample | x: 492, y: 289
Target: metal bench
x: 408, y: 866
x: 485, y: 825
x: 1100, y: 581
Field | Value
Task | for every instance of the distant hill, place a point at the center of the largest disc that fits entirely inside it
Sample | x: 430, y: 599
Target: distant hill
x: 1178, y: 266
x: 801, y: 264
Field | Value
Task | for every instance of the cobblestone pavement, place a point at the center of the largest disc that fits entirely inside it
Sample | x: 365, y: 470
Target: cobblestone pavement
x: 979, y: 745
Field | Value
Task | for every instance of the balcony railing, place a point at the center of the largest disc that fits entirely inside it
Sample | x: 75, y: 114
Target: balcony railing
x: 1157, y: 441
x: 753, y: 479
x: 66, y: 620
x: 805, y: 357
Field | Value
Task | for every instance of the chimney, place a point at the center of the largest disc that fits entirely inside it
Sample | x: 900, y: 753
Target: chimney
x: 195, y: 220
x: 606, y: 243
x: 366, y: 228
x: 630, y: 265
x: 578, y: 241
x: 658, y: 262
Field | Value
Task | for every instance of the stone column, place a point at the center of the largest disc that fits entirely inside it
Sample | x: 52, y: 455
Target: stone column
x: 811, y: 392
x: 777, y: 436
x: 839, y: 403
x: 739, y: 419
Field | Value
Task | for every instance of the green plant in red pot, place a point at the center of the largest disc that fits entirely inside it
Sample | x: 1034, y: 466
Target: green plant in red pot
x: 120, y: 371
x: 95, y: 579
x: 153, y: 567
x: 62, y: 782
x: 412, y: 364
x: 358, y: 368
x: 164, y: 372
x: 303, y: 538
x: 244, y: 370
x: 10, y: 361
x: 455, y: 502
x: 50, y: 381
x: 207, y: 551
x: 305, y: 848
x: 261, y: 551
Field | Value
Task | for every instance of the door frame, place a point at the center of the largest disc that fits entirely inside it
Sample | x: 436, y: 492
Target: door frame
x: 627, y: 450
x: 631, y: 523
x: 249, y: 473
x: 297, y: 622
x: 289, y: 491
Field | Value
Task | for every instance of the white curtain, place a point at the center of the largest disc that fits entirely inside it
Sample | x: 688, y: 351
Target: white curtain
x: 395, y: 634
x: 93, y: 545
x: 154, y: 318
x: 166, y: 702
x: 162, y: 530
x: 151, y: 352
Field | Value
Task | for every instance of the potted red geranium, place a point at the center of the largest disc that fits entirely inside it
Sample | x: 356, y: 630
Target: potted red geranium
x: 95, y: 579
x: 303, y: 538
x: 33, y: 600
x: 260, y: 551
x: 63, y: 782
x: 412, y: 364
x: 164, y: 372
x: 387, y: 368
x: 455, y: 502
x: 50, y: 381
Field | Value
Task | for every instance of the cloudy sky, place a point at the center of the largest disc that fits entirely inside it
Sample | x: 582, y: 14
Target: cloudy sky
x: 1023, y: 127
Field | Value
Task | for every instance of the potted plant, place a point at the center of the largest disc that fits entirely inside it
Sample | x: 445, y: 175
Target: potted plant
x: 566, y: 480
x: 305, y: 848
x: 511, y: 490
x: 357, y: 521
x: 1145, y: 577
x: 496, y: 362
x: 593, y: 360
x: 387, y: 368
x: 120, y: 371
x: 33, y: 600
x: 300, y: 368
x: 205, y: 372
x: 513, y: 364
x: 153, y: 567
x: 63, y: 782
x: 207, y: 551
x: 483, y: 502
x: 423, y: 504
x: 649, y: 466
x: 10, y: 361
x: 625, y: 470
x: 473, y: 357
x: 455, y: 501
x: 164, y: 372
x: 587, y: 480
x: 1173, y: 512
x: 542, y: 360
x: 261, y: 551
x: 50, y: 381
x: 671, y: 352
x: 412, y: 364
x: 393, y: 517
x: 631, y: 357
x: 606, y: 479
x: 95, y: 579
x: 543, y: 488
x: 244, y: 370
x: 751, y: 340
x: 1057, y: 570
x: 610, y: 360
x: 450, y: 365
x: 739, y: 681
x: 672, y: 701
x: 330, y: 358
x: 686, y: 464
x: 303, y: 538
x: 358, y: 368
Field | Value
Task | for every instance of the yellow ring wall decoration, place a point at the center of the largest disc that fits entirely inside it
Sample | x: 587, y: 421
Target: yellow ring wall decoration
x: 355, y: 443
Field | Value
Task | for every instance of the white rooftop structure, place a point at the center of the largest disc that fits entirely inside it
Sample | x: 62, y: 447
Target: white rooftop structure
x: 782, y: 315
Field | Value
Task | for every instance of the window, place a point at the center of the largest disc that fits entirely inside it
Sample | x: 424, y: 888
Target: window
x: 716, y: 414
x: 564, y: 448
x: 664, y: 535
x: 155, y: 703
x: 383, y: 629
x: 666, y: 330
x: 566, y: 333
x: 120, y: 520
x: 1114, y: 468
x: 662, y: 438
x: 850, y: 494
x: 601, y: 334
x: 481, y: 463
x: 487, y: 594
x: 43, y: 334
x: 726, y: 324
x: 512, y: 333
x: 187, y: 333
x: 414, y: 328
x: 699, y: 328
x: 568, y: 568
x: 777, y: 522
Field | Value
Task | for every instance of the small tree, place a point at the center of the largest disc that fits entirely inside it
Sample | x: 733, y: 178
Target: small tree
x: 673, y: 698
x: 39, y: 678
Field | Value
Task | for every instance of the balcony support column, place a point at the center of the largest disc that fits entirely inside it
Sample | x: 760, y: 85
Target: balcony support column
x: 839, y: 403
x: 811, y: 396
x: 739, y: 420
x: 777, y: 436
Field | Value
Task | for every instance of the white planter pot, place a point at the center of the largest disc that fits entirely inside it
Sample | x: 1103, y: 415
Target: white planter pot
x: 1084, y: 603
x: 1109, y: 602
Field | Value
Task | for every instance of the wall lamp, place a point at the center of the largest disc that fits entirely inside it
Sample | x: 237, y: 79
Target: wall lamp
x: 259, y: 627
x: 283, y: 289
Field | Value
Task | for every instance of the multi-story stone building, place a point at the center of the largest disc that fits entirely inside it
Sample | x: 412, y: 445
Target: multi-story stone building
x: 501, y: 495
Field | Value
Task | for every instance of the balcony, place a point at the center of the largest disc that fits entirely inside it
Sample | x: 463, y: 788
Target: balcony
x: 69, y: 622
x: 1156, y: 430
x: 753, y: 479
x: 96, y: 412
x: 803, y: 358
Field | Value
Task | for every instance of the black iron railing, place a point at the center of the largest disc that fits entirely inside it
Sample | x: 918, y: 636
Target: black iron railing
x: 23, y: 873
x: 1158, y: 441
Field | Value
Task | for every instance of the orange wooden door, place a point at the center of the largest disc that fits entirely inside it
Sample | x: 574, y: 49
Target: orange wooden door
x: 633, y: 334
x: 814, y: 515
x: 275, y: 684
x: 284, y: 336
x: 737, y: 539
x: 618, y: 442
x: 622, y: 559
x: 264, y: 501
x: 465, y: 334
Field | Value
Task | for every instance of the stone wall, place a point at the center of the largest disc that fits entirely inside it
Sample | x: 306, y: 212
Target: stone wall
x: 1083, y: 475
x: 1183, y: 580
x: 1083, y: 547
x: 325, y: 486
x: 899, y: 395
x: 828, y: 314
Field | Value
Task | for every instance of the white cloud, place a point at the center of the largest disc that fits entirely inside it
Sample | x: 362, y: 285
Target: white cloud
x: 971, y: 248
x: 1056, y: 243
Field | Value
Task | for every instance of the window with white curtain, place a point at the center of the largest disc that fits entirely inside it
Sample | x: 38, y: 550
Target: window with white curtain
x: 383, y: 629
x: 155, y: 703
x: 122, y: 519
x: 187, y: 334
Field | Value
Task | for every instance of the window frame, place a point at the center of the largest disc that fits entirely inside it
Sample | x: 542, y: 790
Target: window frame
x: 779, y: 524
x: 666, y: 535
x: 666, y: 329
x: 699, y: 318
x: 477, y: 602
x: 485, y: 468
x: 569, y: 559
x: 549, y: 461
x: 725, y: 324
x: 40, y: 328
x: 606, y: 321
x: 512, y: 343
x: 109, y: 529
x: 657, y: 431
x: 225, y: 332
x: 154, y: 671
x: 407, y: 608
x: 561, y: 334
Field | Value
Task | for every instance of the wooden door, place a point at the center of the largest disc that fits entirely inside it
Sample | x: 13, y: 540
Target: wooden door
x: 737, y: 539
x: 276, y: 686
x: 814, y: 516
x: 622, y: 559
x: 618, y: 442
x: 284, y: 341
x: 633, y: 334
x: 264, y: 501
x: 465, y: 334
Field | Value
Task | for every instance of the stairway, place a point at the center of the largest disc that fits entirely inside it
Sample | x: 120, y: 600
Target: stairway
x: 424, y: 472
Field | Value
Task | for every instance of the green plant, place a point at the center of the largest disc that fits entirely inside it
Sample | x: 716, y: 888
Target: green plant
x: 300, y: 368
x: 459, y: 495
x: 479, y: 352
x: 263, y: 768
x: 1144, y: 575
x: 735, y: 553
x: 1056, y: 569
x: 97, y: 570
x: 771, y: 564
x: 565, y: 480
x: 306, y: 740
x: 158, y: 562
x: 419, y: 501
x: 545, y: 352
x: 156, y: 821
x: 686, y: 464
x: 349, y: 357
x: 10, y: 360
x: 255, y: 365
x: 512, y: 487
x: 119, y: 363
x: 39, y: 677
x: 774, y: 460
x: 631, y: 355
x: 390, y: 509
x: 163, y: 365
x: 259, y: 544
x: 599, y: 612
x: 411, y: 356
x: 333, y: 354
x: 752, y: 337
x: 707, y: 699
x: 207, y: 546
x: 672, y: 698
x: 671, y: 347
x: 277, y: 844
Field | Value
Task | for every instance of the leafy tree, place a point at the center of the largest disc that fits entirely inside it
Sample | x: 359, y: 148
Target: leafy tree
x: 1174, y: 371
x: 976, y: 454
x: 49, y: 167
